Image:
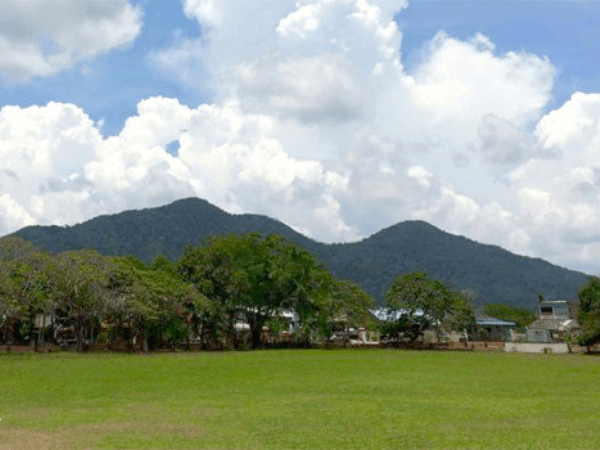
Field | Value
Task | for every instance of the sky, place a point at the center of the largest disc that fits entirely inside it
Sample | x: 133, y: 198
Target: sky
x: 337, y: 117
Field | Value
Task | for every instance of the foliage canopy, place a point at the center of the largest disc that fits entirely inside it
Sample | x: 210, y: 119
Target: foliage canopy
x: 416, y: 302
x: 589, y: 312
x: 204, y: 297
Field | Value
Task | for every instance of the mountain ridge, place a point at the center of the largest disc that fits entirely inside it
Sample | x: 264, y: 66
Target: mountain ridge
x: 491, y: 272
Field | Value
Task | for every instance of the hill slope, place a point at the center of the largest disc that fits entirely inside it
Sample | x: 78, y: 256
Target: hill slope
x: 493, y: 273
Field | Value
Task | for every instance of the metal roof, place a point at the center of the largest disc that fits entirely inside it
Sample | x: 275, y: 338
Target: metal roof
x: 493, y: 322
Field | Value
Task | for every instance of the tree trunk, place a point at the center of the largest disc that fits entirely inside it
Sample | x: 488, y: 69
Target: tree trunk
x: 79, y: 335
x: 11, y: 336
x: 42, y: 337
x: 145, y: 344
x: 40, y: 340
x: 231, y: 333
x: 256, y: 325
x: 203, y: 340
x: 256, y: 332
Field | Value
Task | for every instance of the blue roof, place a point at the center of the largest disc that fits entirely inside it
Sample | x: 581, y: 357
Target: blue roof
x: 493, y: 322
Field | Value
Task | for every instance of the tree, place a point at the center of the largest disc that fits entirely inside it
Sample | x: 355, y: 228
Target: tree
x: 414, y: 301
x: 208, y: 268
x: 10, y: 307
x: 589, y: 312
x: 78, y: 283
x: 153, y: 301
x: 23, y: 287
x: 521, y: 316
x: 31, y: 276
x: 399, y: 325
x: 255, y: 278
x: 347, y: 306
x: 307, y: 286
x: 461, y: 316
x: 13, y: 248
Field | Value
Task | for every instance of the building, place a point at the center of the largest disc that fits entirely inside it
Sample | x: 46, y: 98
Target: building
x: 492, y: 329
x: 554, y: 323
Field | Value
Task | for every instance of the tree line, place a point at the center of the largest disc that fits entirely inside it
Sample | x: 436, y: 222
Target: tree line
x: 200, y: 297
x: 589, y: 312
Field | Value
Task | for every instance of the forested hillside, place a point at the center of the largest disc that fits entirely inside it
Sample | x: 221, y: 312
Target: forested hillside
x: 165, y: 230
x: 493, y: 274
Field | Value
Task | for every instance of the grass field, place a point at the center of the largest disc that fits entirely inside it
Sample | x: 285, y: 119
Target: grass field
x: 313, y: 399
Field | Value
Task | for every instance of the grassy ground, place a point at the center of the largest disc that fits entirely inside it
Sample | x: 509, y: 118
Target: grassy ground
x: 319, y: 399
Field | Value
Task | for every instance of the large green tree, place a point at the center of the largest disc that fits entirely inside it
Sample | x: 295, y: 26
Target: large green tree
x: 78, y: 282
x: 255, y: 278
x: 31, y: 276
x: 415, y: 301
x: 589, y: 312
x: 153, y: 301
x: 11, y: 309
x: 23, y: 288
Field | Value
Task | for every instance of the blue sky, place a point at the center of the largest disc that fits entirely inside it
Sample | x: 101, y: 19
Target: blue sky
x: 338, y: 117
x: 564, y: 31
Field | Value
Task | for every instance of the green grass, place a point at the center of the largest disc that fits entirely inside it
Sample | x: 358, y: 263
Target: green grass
x: 354, y: 399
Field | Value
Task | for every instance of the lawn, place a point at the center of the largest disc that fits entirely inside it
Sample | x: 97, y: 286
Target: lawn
x: 309, y: 399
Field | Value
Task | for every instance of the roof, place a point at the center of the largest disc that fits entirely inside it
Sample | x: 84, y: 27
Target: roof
x: 554, y: 324
x: 546, y: 324
x: 554, y: 302
x: 493, y: 322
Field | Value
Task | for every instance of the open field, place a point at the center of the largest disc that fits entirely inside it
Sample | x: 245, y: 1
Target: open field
x: 313, y: 399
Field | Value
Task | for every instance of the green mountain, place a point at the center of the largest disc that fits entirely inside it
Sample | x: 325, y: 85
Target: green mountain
x: 492, y: 273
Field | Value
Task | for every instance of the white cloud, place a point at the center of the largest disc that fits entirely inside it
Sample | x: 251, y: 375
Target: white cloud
x: 420, y: 174
x: 206, y: 11
x: 300, y: 23
x: 315, y: 121
x: 308, y: 89
x: 463, y: 82
x: 13, y: 215
x: 56, y: 167
x: 42, y: 37
x: 575, y: 126
x: 501, y: 142
x: 183, y: 63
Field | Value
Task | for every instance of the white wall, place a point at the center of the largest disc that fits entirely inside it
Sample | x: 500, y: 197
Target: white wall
x: 560, y: 347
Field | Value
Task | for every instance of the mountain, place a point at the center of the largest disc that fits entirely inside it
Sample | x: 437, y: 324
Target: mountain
x: 164, y: 230
x: 492, y: 273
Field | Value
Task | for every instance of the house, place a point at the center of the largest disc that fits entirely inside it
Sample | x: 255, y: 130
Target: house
x: 557, y: 319
x: 492, y: 329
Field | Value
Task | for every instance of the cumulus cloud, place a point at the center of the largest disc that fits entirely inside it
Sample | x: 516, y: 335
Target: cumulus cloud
x: 315, y: 121
x: 504, y: 143
x: 308, y: 89
x: 463, y: 82
x: 41, y: 37
x: 57, y: 168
